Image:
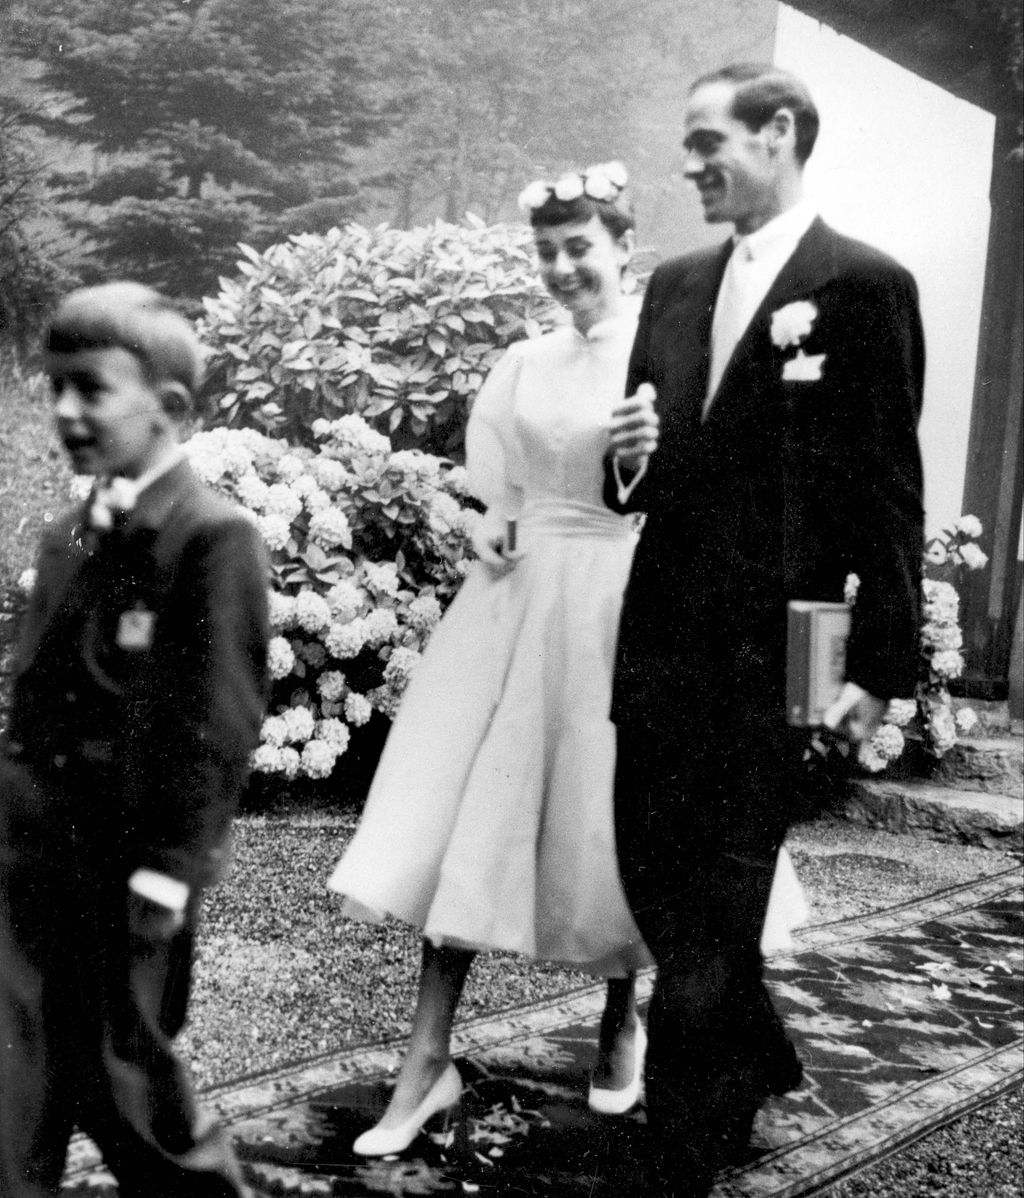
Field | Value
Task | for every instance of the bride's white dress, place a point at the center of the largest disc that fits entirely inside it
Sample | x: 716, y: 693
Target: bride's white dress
x: 489, y: 823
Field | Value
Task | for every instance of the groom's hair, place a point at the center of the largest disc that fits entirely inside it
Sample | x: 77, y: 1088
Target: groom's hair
x: 761, y: 89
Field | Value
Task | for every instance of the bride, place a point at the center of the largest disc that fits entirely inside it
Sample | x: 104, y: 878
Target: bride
x: 489, y: 823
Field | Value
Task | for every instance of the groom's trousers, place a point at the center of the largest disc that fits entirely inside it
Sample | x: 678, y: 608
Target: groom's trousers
x: 701, y: 811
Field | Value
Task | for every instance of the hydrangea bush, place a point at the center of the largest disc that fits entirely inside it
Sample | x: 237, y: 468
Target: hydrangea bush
x: 397, y: 326
x: 930, y: 715
x: 368, y: 545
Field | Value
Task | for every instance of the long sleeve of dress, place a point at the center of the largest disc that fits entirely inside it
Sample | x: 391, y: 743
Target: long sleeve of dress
x: 494, y: 460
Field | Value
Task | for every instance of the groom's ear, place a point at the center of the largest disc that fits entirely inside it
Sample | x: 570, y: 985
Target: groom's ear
x: 781, y: 130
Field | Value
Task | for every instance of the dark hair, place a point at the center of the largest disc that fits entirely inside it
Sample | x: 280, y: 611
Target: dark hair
x: 761, y: 89
x: 135, y: 318
x: 616, y: 215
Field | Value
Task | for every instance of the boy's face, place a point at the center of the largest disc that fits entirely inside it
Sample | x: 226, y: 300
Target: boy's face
x: 109, y: 416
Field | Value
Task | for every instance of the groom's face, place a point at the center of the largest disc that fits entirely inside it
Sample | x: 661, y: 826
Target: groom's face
x: 731, y: 165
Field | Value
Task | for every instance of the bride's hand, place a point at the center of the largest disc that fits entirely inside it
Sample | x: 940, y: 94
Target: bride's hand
x: 490, y: 540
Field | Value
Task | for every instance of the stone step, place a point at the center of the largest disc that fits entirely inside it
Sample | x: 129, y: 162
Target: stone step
x: 994, y: 765
x: 939, y: 812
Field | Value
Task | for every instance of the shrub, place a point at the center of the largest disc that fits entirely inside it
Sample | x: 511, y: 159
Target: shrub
x: 930, y: 716
x: 399, y: 327
x: 368, y: 545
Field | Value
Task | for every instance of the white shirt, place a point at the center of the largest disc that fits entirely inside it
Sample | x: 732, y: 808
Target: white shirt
x: 753, y: 267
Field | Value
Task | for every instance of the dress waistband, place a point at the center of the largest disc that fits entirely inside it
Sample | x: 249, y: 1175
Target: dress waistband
x: 573, y: 518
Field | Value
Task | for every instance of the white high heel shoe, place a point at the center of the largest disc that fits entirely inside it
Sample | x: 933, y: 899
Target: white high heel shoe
x: 618, y: 1102
x: 389, y: 1141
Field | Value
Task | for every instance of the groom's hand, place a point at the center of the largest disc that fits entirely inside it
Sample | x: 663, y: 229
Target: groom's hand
x: 634, y: 429
x: 855, y: 715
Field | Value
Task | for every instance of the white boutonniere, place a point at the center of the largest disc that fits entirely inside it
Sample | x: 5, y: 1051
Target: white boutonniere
x: 791, y: 325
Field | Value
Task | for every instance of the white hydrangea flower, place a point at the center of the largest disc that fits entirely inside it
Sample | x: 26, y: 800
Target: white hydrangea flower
x: 942, y: 637
x: 303, y: 484
x: 300, y: 723
x: 329, y: 473
x: 267, y: 759
x: 947, y: 663
x: 331, y: 685
x: 380, y: 625
x: 424, y: 612
x: 345, y: 600
x: 316, y: 501
x: 346, y: 640
x: 252, y: 491
x: 276, y: 530
x: 941, y: 602
x: 358, y: 709
x: 282, y: 609
x: 27, y: 580
x: 382, y: 577
x: 354, y: 432
x: 888, y: 742
x: 318, y: 758
x: 386, y: 700
x: 900, y: 712
x: 400, y: 666
x: 289, y: 761
x: 282, y: 501
x: 444, y: 513
x: 457, y: 480
x: 274, y: 731
x: 942, y: 726
x: 280, y: 658
x: 973, y: 557
x: 970, y: 526
x: 334, y: 733
x: 869, y: 758
x: 330, y: 528
x: 289, y: 467
x: 312, y: 612
x: 966, y: 720
x: 208, y: 467
x: 416, y: 463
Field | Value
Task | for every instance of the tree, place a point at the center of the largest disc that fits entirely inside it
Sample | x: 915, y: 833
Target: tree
x: 215, y: 119
x: 32, y: 274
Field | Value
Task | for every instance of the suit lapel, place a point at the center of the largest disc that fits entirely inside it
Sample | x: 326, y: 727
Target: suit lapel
x: 810, y: 265
x: 693, y: 327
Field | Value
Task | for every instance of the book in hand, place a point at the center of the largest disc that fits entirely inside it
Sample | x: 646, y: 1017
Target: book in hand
x: 815, y: 659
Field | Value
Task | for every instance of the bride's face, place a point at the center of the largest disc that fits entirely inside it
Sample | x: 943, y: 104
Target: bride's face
x: 581, y: 265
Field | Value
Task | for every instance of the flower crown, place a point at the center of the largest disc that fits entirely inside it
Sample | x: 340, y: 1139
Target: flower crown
x: 604, y: 181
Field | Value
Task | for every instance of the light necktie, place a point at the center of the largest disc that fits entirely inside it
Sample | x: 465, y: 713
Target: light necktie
x: 111, y: 502
x: 730, y: 319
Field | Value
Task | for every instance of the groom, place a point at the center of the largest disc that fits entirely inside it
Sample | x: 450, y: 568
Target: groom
x: 779, y: 456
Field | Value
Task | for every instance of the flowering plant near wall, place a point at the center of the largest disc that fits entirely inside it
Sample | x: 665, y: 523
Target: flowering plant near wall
x: 398, y: 326
x: 930, y: 714
x: 368, y: 545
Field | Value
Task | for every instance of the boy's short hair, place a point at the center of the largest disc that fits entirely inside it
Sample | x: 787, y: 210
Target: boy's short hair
x: 135, y: 318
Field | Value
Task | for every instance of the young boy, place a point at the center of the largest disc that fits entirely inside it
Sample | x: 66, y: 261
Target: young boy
x: 138, y: 695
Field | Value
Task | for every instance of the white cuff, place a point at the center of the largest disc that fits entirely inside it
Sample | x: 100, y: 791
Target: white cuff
x: 624, y: 490
x: 159, y: 888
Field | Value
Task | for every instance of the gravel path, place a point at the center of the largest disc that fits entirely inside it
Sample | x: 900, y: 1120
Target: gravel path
x: 282, y: 977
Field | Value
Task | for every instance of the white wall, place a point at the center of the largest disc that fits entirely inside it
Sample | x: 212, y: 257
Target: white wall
x: 904, y: 165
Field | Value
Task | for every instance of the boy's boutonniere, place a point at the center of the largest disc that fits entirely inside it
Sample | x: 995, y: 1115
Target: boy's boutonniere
x: 791, y: 325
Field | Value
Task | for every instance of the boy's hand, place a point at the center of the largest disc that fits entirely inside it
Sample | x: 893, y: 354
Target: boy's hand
x: 151, y: 921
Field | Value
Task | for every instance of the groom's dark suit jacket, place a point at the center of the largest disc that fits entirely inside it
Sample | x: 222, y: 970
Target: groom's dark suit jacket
x: 781, y: 492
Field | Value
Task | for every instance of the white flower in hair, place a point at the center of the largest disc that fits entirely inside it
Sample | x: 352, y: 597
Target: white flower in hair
x: 598, y: 186
x: 616, y: 172
x: 535, y: 195
x: 569, y: 187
